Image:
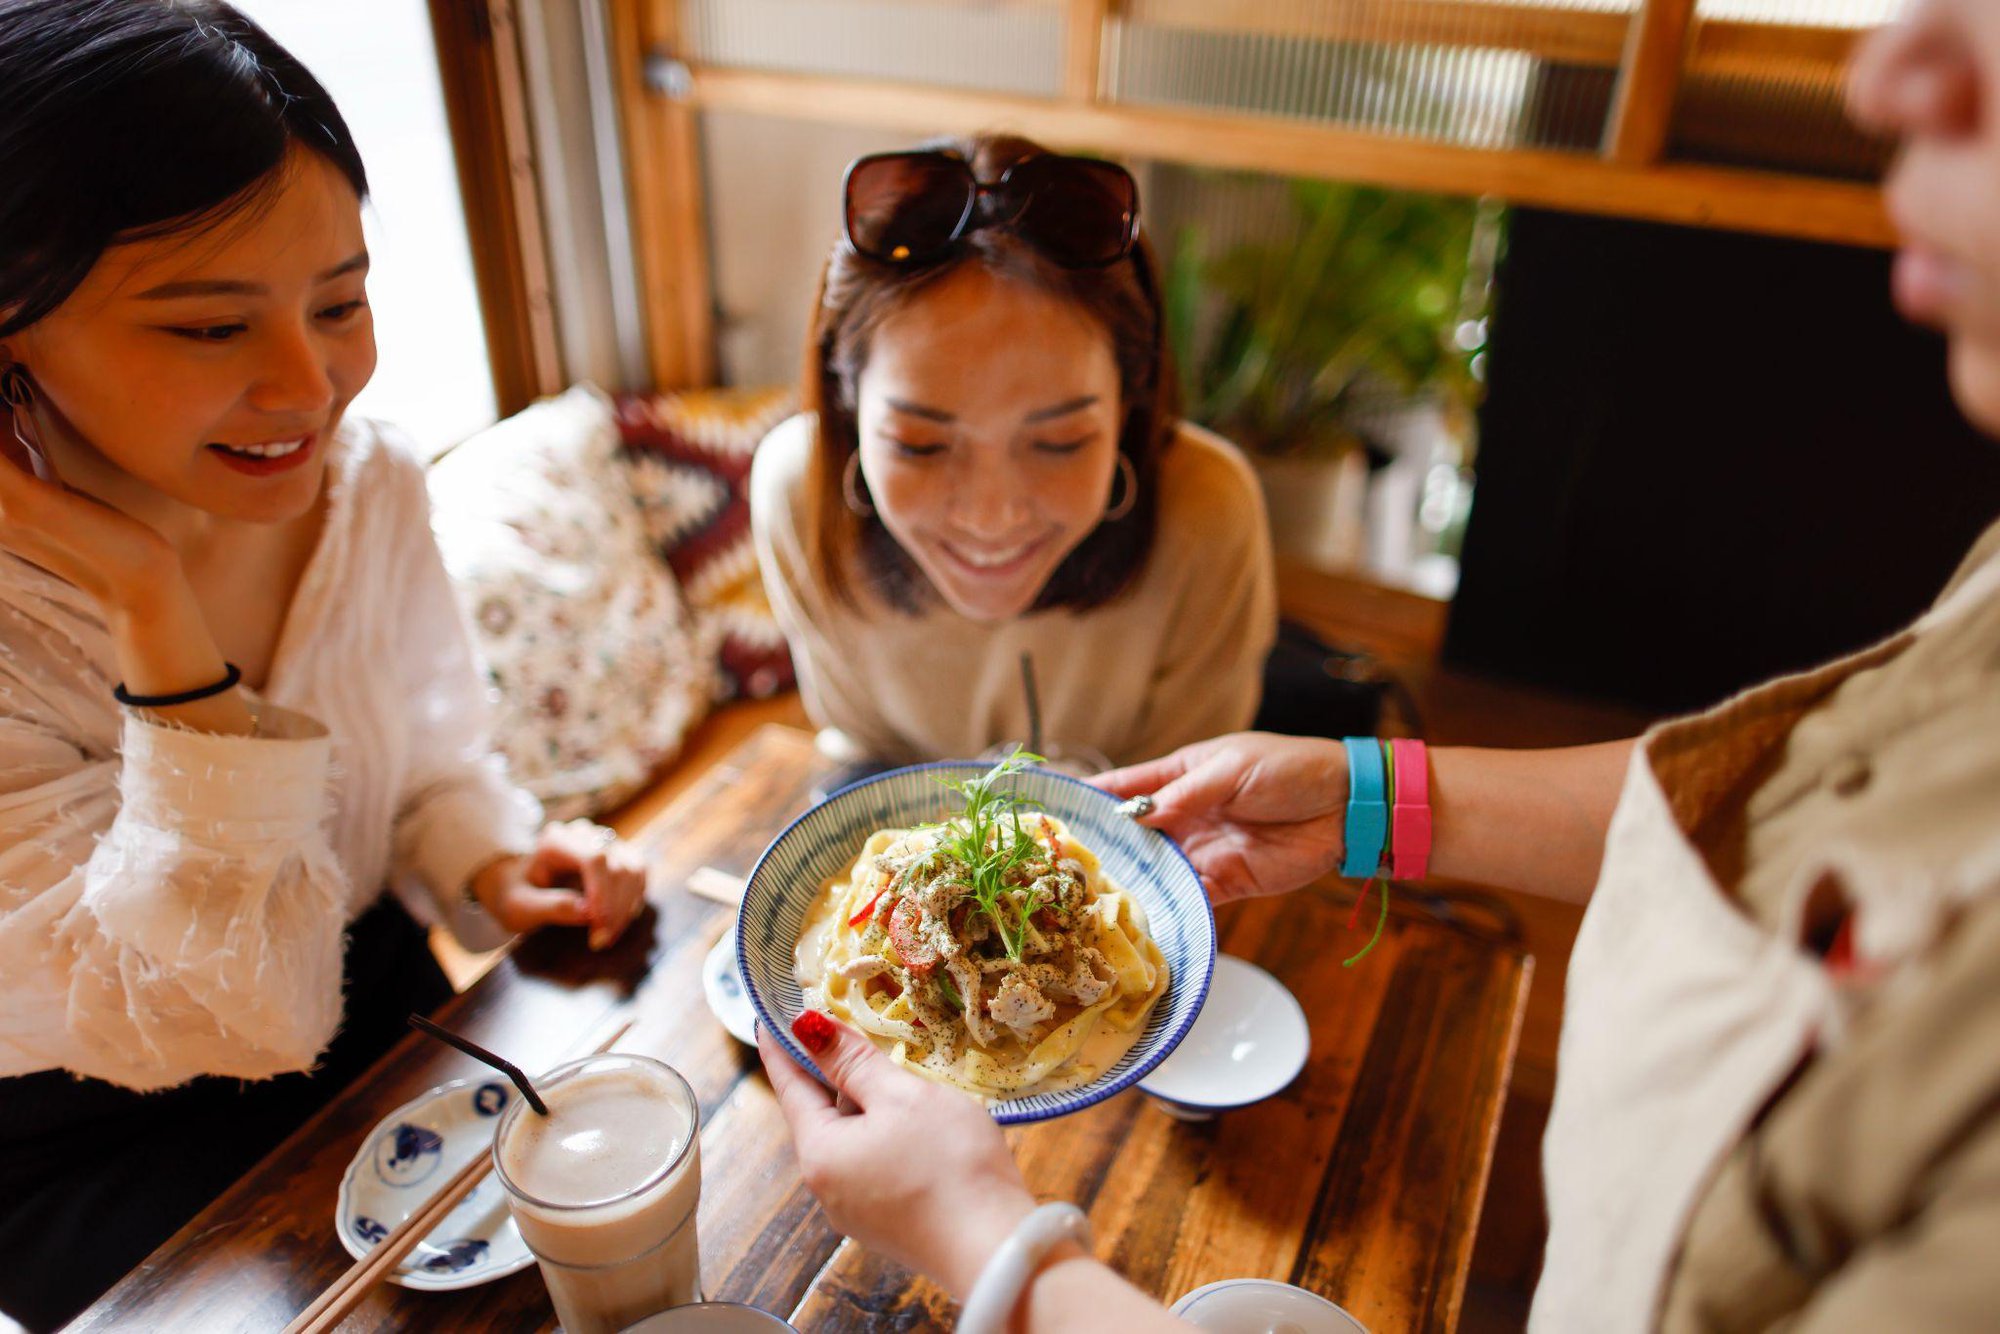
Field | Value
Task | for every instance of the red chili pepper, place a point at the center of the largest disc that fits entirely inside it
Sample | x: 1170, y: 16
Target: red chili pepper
x: 868, y: 911
x: 814, y: 1030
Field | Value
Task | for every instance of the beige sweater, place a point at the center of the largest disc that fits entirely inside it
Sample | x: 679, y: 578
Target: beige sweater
x: 1178, y: 656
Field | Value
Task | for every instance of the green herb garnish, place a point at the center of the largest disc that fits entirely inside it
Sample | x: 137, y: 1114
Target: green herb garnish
x: 987, y: 839
x: 1381, y: 920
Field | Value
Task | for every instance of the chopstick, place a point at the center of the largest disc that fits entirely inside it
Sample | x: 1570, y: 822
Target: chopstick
x: 346, y: 1292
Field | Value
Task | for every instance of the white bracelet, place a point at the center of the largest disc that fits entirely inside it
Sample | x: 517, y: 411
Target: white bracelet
x: 999, y: 1286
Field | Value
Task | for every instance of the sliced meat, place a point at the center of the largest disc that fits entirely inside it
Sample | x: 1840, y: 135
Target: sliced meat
x: 1020, y: 1007
x: 1084, y: 980
x: 864, y: 967
x: 967, y: 979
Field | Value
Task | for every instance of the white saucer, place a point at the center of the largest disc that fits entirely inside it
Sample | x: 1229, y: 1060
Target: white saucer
x: 711, y: 1318
x: 405, y: 1160
x: 1263, y: 1306
x: 723, y: 986
x: 1249, y: 1041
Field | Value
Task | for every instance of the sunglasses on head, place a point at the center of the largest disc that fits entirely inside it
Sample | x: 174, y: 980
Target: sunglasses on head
x: 912, y: 208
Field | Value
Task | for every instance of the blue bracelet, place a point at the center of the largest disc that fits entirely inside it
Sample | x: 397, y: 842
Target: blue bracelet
x: 1367, y: 808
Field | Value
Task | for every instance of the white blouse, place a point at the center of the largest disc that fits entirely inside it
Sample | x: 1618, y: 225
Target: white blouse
x: 173, y: 903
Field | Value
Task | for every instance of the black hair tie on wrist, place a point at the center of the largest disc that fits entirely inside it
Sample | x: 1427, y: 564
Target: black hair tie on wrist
x: 229, y: 681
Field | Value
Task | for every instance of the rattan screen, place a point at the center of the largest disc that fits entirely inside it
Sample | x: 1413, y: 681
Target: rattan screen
x: 1012, y: 46
x: 1777, y: 103
x: 1476, y: 74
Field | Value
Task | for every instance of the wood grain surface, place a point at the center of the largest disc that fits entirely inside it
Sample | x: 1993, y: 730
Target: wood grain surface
x: 1362, y: 1181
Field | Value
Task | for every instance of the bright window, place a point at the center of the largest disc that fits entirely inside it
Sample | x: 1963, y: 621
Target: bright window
x: 378, y: 60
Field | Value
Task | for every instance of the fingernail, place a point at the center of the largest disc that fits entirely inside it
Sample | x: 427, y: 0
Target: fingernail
x: 814, y: 1030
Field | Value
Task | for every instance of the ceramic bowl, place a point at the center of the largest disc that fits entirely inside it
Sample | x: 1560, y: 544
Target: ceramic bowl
x: 711, y: 1318
x: 824, y: 841
x: 1263, y: 1306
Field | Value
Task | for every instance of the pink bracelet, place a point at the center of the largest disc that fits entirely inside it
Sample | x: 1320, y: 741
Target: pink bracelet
x: 1410, y: 818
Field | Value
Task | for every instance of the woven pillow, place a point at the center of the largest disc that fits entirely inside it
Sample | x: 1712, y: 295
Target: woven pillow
x: 689, y: 460
x: 598, y: 670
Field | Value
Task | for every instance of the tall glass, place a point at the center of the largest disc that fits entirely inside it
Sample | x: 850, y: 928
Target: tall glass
x: 605, y: 1187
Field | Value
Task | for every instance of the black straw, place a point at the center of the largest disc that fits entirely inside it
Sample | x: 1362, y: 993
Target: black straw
x: 1034, y: 705
x: 479, y: 1053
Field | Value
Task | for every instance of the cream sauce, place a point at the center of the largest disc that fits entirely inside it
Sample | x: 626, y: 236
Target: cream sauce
x: 1102, y: 1049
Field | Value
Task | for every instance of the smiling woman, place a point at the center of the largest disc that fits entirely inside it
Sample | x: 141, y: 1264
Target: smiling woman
x: 992, y: 464
x: 237, y: 355
x: 191, y: 885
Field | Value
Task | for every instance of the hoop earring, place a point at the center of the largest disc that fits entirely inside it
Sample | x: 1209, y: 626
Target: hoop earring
x: 850, y: 487
x: 17, y: 390
x: 1130, y: 476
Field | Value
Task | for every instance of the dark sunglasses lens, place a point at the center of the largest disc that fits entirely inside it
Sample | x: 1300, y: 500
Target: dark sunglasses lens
x: 1079, y: 212
x: 906, y: 206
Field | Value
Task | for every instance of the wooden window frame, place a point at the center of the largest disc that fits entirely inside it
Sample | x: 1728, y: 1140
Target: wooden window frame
x: 662, y: 141
x: 661, y: 94
x: 485, y: 97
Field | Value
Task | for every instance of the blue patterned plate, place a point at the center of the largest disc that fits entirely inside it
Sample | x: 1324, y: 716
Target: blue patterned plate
x: 823, y: 842
x: 406, y: 1160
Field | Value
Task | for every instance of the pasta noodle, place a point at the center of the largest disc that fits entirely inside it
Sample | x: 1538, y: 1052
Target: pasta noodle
x: 1039, y: 983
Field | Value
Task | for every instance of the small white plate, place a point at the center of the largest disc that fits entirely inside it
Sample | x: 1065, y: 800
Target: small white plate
x: 711, y: 1318
x: 1262, y: 1305
x: 405, y: 1160
x: 1249, y: 1041
x: 723, y: 986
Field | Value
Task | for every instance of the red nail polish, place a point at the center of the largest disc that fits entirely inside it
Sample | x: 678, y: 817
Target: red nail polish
x: 814, y: 1030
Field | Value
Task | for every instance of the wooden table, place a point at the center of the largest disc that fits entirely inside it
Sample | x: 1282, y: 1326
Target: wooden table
x: 1362, y: 1181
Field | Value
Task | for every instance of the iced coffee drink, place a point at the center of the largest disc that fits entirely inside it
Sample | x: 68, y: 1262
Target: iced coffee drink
x: 604, y: 1188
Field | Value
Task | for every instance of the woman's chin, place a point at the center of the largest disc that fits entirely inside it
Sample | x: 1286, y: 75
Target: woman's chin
x: 1975, y: 380
x: 983, y: 595
x: 983, y: 601
x: 987, y: 608
x: 267, y: 501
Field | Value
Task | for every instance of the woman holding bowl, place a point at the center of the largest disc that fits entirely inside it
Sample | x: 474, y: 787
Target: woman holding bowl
x: 1778, y: 1103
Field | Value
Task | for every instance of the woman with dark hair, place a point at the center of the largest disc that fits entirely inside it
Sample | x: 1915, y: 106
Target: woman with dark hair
x: 236, y: 699
x: 991, y: 463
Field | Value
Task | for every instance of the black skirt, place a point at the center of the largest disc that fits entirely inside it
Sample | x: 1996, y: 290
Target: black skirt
x: 93, y: 1177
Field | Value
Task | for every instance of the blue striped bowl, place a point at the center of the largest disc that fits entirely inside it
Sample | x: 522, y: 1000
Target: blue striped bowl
x: 823, y: 842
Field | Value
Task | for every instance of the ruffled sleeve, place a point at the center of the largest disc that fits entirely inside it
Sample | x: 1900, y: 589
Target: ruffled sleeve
x: 168, y: 909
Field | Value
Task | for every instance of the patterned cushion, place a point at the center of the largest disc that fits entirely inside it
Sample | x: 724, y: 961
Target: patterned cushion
x: 598, y: 669
x: 689, y: 458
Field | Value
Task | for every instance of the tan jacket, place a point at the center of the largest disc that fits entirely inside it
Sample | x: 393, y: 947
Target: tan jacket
x: 1867, y: 1195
